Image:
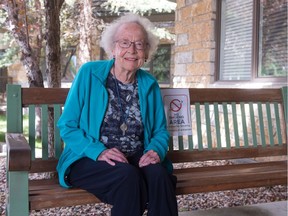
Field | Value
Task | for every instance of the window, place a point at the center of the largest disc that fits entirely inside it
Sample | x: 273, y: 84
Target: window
x: 253, y: 40
x: 159, y: 65
x: 273, y: 39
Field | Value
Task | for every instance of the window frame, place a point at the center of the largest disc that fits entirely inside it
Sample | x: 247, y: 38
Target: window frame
x: 255, y: 49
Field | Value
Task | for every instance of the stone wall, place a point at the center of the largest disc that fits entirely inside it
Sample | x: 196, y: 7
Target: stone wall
x: 195, y: 43
x: 17, y: 73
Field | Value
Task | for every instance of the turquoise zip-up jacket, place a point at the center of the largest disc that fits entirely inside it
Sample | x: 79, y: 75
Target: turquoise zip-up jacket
x: 85, y: 108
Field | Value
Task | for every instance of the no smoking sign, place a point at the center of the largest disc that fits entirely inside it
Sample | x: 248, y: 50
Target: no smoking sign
x: 177, y: 110
x: 176, y: 105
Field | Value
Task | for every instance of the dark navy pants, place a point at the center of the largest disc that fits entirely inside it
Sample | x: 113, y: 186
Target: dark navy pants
x: 127, y: 187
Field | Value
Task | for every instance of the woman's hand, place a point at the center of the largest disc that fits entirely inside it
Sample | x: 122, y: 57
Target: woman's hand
x: 151, y: 157
x: 111, y: 155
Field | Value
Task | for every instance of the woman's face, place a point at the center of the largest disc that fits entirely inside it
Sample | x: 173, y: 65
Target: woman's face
x: 130, y: 47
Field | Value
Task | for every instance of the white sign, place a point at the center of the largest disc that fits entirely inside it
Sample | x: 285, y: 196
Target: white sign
x: 177, y: 109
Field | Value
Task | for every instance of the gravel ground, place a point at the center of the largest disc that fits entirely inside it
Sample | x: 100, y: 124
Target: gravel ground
x: 185, y: 202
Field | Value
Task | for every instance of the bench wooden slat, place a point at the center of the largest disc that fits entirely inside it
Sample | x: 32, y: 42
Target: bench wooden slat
x: 57, y: 139
x: 198, y: 125
x: 39, y: 165
x: 44, y: 130
x: 51, y: 189
x: 277, y: 122
x: 217, y: 125
x: 284, y: 92
x: 42, y: 182
x: 252, y: 122
x: 235, y: 124
x: 184, y: 189
x: 261, y: 125
x: 32, y: 129
x: 171, y: 147
x: 269, y: 125
x: 221, y: 170
x: 244, y: 124
x: 190, y: 142
x: 35, y: 96
x: 208, y: 178
x: 238, y: 95
x: 180, y: 141
x: 226, y: 154
x: 208, y: 125
x: 231, y: 175
x: 61, y: 200
x: 226, y: 125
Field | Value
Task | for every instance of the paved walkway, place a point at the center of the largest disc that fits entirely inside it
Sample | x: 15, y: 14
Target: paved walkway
x: 267, y: 209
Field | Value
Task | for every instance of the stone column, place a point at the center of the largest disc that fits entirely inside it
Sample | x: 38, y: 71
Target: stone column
x: 195, y: 43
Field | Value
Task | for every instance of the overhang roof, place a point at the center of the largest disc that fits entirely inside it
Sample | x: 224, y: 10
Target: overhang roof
x: 107, y: 15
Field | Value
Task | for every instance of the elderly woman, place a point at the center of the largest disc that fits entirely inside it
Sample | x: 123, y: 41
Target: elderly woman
x: 114, y: 127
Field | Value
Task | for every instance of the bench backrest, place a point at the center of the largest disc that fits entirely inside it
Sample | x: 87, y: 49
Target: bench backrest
x: 226, y: 123
x: 234, y: 123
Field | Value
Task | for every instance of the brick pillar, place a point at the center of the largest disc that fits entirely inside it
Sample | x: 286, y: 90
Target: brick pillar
x: 195, y: 43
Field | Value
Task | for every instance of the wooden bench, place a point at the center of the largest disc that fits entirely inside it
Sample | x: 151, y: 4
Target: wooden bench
x: 227, y: 124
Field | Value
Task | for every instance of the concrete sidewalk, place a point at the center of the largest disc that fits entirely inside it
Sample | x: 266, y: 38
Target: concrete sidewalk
x: 265, y: 209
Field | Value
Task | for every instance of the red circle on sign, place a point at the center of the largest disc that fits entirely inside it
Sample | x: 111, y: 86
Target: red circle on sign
x: 175, y: 105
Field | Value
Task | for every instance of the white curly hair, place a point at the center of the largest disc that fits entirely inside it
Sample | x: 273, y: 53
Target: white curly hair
x: 107, y: 38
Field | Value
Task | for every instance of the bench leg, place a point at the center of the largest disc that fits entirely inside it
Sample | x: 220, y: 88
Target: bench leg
x: 17, y: 200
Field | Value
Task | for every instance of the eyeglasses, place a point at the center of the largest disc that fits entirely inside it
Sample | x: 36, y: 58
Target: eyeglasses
x: 139, y: 45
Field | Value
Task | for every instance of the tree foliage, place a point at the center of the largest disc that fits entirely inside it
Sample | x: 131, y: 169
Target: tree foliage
x: 140, y: 6
x: 20, y: 24
x: 25, y: 23
x: 10, y: 55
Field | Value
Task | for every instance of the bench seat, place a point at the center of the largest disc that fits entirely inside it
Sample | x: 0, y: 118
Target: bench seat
x: 47, y: 193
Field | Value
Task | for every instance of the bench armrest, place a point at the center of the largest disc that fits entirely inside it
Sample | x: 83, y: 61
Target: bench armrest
x: 18, y: 152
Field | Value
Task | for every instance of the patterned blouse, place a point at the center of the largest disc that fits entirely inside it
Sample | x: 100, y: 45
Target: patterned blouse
x: 123, y: 107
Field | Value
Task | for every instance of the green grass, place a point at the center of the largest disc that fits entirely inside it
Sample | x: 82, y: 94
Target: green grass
x: 25, y: 129
x: 2, y: 128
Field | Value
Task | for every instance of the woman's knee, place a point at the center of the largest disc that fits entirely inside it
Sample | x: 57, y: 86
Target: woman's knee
x: 155, y: 171
x: 129, y: 174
